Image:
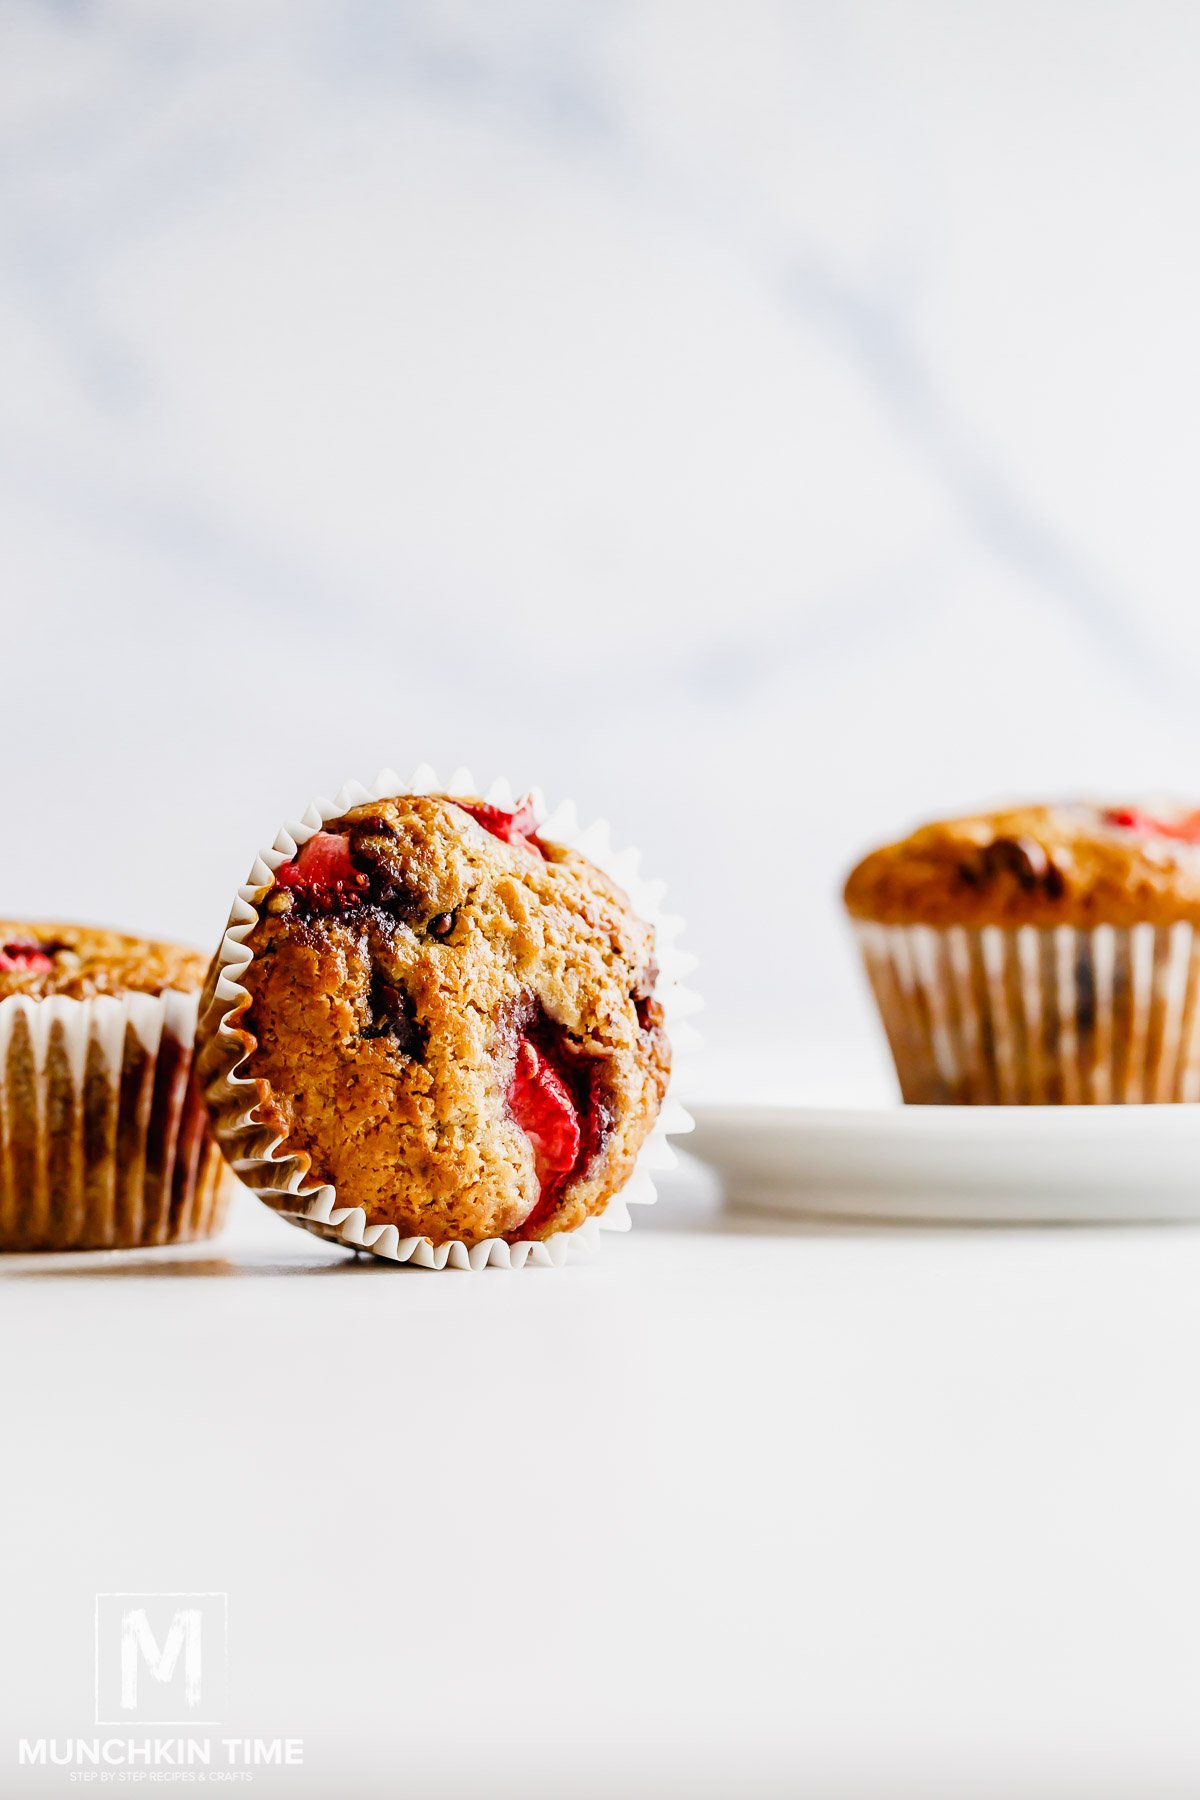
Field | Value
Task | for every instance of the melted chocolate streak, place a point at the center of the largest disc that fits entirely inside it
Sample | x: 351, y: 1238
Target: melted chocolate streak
x: 391, y: 1010
x: 393, y: 1015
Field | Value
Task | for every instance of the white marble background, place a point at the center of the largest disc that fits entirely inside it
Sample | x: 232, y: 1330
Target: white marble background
x: 768, y: 422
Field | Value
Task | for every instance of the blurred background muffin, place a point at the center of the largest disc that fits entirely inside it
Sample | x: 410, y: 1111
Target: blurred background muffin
x: 1042, y: 954
x: 104, y: 1138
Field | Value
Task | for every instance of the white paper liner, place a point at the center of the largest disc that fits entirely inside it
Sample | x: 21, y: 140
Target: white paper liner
x: 279, y: 1178
x: 105, y: 1141
x: 1034, y: 1015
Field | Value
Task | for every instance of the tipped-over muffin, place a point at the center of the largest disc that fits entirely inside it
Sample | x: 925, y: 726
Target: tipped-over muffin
x: 1038, y: 954
x: 105, y: 1136
x: 450, y: 1021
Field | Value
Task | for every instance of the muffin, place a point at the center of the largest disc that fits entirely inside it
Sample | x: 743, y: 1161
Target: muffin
x: 441, y: 1018
x: 1043, y: 954
x: 104, y: 1136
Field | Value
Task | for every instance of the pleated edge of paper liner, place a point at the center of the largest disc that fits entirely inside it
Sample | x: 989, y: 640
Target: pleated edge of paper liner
x: 105, y: 1021
x: 1140, y: 1047
x: 317, y: 1210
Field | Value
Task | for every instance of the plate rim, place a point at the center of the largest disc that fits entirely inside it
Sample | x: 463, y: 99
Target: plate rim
x: 1015, y: 1119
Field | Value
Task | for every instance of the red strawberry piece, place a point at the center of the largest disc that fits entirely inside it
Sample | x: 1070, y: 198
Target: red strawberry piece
x: 1185, y: 829
x: 519, y: 827
x: 322, y: 871
x: 541, y: 1103
x: 23, y: 956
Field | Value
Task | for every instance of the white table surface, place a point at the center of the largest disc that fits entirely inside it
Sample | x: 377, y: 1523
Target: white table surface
x: 736, y: 1508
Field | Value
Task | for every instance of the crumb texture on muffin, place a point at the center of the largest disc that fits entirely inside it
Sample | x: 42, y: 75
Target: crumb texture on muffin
x: 81, y: 962
x: 1069, y: 864
x: 453, y: 1021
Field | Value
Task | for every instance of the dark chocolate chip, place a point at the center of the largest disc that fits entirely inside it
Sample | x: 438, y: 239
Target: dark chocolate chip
x: 372, y: 852
x: 1021, y: 857
x: 374, y: 826
x: 441, y: 924
x: 1026, y: 861
x: 391, y: 1014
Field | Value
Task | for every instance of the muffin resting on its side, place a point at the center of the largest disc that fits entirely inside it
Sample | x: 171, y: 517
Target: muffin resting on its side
x: 106, y: 1141
x: 452, y: 1021
x: 1038, y: 954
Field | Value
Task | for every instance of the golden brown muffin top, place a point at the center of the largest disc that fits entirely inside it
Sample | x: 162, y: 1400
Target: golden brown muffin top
x: 453, y: 1020
x: 1069, y: 864
x: 81, y: 961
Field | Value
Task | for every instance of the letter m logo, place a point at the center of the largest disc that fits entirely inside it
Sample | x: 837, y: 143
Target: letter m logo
x: 138, y: 1645
x: 160, y: 1658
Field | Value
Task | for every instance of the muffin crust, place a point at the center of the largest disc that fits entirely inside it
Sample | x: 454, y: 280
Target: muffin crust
x: 434, y: 990
x: 83, y: 961
x: 1068, y: 864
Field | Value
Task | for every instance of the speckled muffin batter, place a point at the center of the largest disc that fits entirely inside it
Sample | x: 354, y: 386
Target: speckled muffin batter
x: 81, y: 961
x: 454, y: 1021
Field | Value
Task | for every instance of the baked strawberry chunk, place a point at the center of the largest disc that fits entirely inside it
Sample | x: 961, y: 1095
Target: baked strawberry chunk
x: 540, y: 1101
x: 519, y: 827
x: 542, y: 1105
x: 322, y: 872
x: 23, y: 956
x: 560, y: 1102
x: 1185, y: 829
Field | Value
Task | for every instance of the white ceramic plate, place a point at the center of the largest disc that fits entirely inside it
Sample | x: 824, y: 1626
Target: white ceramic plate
x: 979, y: 1164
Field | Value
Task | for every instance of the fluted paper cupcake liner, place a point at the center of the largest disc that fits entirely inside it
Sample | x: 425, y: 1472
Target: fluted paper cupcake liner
x: 1039, y: 1016
x: 105, y: 1141
x: 281, y: 1179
